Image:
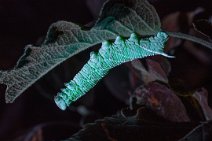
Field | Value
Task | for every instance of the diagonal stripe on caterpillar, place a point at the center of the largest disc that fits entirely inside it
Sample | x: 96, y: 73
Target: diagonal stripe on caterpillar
x: 109, y: 56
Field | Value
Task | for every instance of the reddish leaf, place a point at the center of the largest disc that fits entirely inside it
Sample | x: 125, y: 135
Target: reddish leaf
x: 163, y: 101
x: 201, y: 96
x: 154, y: 73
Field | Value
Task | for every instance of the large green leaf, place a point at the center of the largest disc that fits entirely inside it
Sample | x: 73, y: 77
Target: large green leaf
x: 65, y: 39
x: 127, y: 16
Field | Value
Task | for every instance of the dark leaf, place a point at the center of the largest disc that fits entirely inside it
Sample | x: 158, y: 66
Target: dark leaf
x: 119, y: 128
x: 163, y: 101
x: 203, y: 132
x: 154, y: 71
x: 49, y: 131
x: 204, y: 27
x: 201, y: 96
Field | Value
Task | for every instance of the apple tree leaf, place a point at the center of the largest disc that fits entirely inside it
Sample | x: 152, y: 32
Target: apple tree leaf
x: 66, y: 39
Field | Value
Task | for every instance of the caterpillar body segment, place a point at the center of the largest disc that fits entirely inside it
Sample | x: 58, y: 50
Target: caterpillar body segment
x: 109, y: 56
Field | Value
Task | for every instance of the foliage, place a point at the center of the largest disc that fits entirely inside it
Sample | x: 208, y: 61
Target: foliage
x: 158, y: 96
x: 65, y: 39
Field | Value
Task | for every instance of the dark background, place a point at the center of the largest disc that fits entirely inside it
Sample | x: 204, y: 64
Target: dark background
x: 25, y: 22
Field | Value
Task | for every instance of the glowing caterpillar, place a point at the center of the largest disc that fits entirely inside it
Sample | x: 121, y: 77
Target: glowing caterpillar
x: 109, y: 56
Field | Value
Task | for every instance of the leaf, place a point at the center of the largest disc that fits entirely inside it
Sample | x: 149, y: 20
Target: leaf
x: 204, y: 27
x: 137, y: 15
x: 119, y: 128
x: 201, y: 96
x: 37, y: 61
x: 155, y: 71
x: 65, y: 39
x: 47, y: 131
x: 202, y: 132
x: 194, y: 39
x: 163, y: 101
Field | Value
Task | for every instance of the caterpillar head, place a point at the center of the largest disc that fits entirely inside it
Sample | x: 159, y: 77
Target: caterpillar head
x: 63, y: 98
x: 60, y: 102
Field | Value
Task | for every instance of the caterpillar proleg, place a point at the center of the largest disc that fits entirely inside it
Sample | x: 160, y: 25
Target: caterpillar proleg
x: 109, y: 56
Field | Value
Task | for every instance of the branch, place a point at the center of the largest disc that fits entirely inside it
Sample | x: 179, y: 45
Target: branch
x: 190, y: 38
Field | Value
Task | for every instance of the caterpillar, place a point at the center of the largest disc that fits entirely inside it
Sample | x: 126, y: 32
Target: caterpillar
x: 109, y: 56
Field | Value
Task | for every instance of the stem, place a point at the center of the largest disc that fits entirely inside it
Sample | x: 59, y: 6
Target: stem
x: 190, y: 38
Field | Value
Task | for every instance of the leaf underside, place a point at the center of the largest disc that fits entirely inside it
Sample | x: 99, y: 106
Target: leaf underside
x: 65, y: 39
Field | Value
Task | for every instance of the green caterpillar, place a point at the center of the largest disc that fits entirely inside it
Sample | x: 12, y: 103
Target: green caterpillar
x: 109, y: 56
